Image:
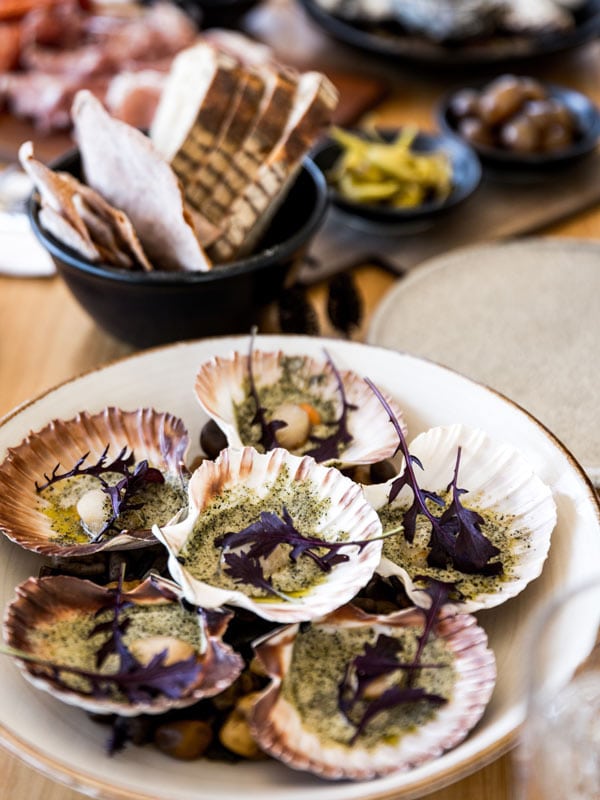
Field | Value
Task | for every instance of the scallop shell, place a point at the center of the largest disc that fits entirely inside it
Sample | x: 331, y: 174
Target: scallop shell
x: 249, y: 473
x: 160, y: 438
x: 280, y: 730
x: 498, y: 479
x: 221, y: 384
x: 40, y: 602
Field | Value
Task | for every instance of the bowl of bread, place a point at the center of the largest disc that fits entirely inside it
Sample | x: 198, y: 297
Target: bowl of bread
x: 191, y: 229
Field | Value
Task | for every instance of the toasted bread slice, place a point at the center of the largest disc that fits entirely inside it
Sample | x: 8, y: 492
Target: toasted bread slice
x: 275, y: 110
x: 201, y: 89
x: 122, y: 165
x: 241, y: 117
x: 251, y: 212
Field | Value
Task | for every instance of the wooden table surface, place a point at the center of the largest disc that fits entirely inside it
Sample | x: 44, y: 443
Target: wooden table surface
x: 46, y: 338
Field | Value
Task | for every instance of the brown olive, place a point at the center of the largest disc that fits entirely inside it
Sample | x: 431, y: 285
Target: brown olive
x: 501, y: 99
x: 235, y: 732
x: 556, y: 137
x: 540, y: 112
x: 520, y: 135
x: 212, y: 439
x: 465, y: 103
x: 476, y: 131
x: 548, y: 112
x: 184, y: 739
x: 382, y: 471
x: 532, y: 89
x: 562, y: 115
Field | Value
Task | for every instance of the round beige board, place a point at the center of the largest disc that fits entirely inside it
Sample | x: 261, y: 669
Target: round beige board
x: 520, y: 317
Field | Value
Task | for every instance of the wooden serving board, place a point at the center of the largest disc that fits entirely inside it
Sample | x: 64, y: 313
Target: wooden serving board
x: 497, y: 210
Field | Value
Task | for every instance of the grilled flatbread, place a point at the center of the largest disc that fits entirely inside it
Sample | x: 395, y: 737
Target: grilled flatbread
x: 122, y: 165
x: 91, y: 226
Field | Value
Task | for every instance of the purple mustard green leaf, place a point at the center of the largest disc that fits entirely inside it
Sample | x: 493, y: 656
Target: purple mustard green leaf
x: 243, y: 569
x: 456, y: 538
x: 329, y: 447
x: 121, y: 494
x: 271, y: 530
x: 268, y: 429
x: 472, y: 551
x: 391, y: 698
x: 439, y: 592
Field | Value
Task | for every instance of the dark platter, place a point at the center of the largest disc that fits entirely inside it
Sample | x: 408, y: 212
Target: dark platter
x: 392, y: 42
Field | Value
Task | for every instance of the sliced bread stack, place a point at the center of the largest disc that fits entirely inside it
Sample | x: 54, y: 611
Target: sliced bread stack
x: 235, y: 127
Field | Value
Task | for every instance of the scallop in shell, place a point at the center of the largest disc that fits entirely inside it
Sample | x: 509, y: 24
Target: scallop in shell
x: 304, y: 405
x: 517, y: 509
x: 396, y: 716
x: 72, y: 516
x: 272, y: 533
x: 68, y: 622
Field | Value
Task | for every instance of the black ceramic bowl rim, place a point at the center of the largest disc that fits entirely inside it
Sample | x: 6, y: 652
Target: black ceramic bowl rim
x: 161, y: 278
x: 457, y: 149
x: 578, y: 104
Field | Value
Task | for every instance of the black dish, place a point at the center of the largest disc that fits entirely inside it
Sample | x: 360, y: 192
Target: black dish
x: 217, y: 13
x: 585, y: 113
x: 146, y: 309
x: 466, y: 174
x: 394, y: 44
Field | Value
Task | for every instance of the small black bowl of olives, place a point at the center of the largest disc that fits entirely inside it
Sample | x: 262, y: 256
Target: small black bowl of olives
x: 520, y: 122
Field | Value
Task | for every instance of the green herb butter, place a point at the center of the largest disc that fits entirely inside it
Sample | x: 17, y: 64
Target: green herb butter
x: 295, y: 385
x: 158, y: 503
x: 238, y: 507
x: 324, y: 654
x: 68, y: 641
x: 499, y: 529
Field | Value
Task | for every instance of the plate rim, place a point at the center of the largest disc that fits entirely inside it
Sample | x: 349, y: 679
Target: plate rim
x: 89, y: 784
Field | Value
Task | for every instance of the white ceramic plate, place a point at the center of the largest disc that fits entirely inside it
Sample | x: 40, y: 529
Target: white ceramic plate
x: 521, y: 317
x: 63, y: 743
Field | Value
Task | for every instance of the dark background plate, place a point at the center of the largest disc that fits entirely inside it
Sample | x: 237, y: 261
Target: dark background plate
x: 499, y: 50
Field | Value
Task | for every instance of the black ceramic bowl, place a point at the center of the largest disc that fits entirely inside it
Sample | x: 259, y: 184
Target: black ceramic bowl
x: 146, y: 309
x: 217, y: 13
x: 466, y: 174
x: 587, y: 123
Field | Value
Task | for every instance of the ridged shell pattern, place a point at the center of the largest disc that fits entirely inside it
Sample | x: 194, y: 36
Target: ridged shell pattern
x: 160, y: 438
x: 346, y: 516
x: 221, y: 383
x: 41, y: 603
x: 281, y: 731
x: 497, y: 478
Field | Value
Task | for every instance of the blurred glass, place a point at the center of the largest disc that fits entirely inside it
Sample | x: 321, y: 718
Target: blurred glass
x: 559, y: 753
